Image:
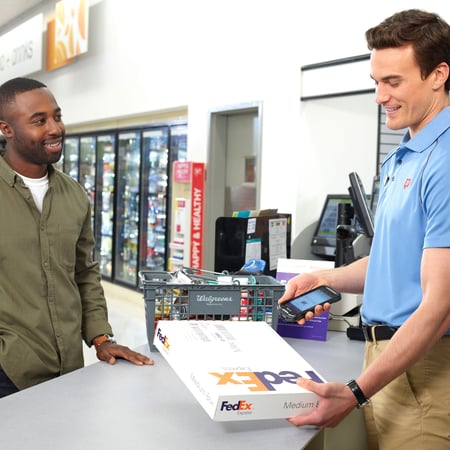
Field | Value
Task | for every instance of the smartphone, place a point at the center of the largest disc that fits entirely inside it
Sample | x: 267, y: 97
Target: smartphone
x: 295, y: 309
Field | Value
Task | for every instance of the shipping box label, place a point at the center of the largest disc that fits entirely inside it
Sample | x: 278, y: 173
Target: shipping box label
x: 237, y: 370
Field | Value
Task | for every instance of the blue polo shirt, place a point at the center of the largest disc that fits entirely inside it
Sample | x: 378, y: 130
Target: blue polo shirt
x: 413, y: 213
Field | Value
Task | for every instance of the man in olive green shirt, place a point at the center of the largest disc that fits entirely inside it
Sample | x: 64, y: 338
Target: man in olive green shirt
x: 51, y: 297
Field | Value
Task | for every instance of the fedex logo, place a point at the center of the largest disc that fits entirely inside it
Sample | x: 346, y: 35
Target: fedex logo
x: 262, y: 381
x: 164, y: 339
x: 241, y: 405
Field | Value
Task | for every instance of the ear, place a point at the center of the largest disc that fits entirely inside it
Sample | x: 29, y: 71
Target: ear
x: 441, y: 74
x: 6, y: 129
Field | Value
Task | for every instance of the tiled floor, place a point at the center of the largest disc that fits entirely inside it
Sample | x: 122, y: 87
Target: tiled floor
x: 126, y: 316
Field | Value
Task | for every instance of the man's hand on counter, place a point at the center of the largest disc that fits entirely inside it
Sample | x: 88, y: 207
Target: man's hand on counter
x: 109, y: 352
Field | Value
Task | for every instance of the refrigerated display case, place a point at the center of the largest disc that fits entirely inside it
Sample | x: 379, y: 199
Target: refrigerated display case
x: 87, y: 170
x: 154, y: 198
x: 127, y: 207
x: 178, y: 143
x: 126, y: 175
x: 71, y: 156
x: 104, y: 203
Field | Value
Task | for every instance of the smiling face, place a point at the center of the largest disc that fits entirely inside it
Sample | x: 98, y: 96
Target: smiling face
x: 34, y: 131
x: 409, y: 100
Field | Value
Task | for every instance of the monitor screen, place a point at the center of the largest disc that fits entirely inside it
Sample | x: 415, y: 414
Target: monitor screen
x: 323, y: 243
x: 361, y: 204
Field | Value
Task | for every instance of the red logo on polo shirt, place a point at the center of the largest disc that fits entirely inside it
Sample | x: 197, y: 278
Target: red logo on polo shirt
x: 407, y: 183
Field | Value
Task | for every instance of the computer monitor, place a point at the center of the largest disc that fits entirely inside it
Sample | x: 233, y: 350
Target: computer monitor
x: 323, y: 243
x: 361, y: 204
x: 236, y: 236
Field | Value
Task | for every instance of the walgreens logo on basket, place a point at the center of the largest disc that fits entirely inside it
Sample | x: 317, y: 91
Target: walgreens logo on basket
x: 211, y: 299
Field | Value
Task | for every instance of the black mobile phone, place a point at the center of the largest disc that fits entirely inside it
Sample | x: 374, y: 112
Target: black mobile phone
x: 295, y: 309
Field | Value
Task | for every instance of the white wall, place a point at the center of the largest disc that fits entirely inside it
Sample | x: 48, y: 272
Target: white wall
x: 149, y: 55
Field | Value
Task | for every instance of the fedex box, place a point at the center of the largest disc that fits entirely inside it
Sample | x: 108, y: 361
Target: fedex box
x: 238, y: 370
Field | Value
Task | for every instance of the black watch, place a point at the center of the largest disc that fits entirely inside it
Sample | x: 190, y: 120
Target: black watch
x: 358, y: 393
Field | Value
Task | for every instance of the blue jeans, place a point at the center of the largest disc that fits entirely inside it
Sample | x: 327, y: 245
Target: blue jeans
x: 7, y: 387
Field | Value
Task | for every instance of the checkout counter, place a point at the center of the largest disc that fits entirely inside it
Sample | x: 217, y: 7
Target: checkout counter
x: 126, y: 406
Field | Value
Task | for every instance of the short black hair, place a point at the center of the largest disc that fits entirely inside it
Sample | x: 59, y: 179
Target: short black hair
x: 9, y: 89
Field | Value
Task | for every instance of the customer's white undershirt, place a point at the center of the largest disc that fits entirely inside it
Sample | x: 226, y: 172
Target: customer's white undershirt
x: 38, y: 188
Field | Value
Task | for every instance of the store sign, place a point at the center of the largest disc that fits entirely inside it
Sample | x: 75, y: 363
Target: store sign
x: 182, y: 171
x: 67, y: 33
x: 198, y: 196
x: 193, y: 175
x: 21, y: 49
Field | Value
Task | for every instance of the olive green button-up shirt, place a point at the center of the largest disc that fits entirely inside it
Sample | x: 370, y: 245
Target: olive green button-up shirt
x: 50, y: 292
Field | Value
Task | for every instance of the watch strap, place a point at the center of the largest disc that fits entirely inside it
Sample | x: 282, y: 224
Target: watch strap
x: 358, y: 393
x: 99, y: 340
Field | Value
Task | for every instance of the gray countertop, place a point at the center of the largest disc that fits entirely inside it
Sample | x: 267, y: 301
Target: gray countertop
x: 126, y: 406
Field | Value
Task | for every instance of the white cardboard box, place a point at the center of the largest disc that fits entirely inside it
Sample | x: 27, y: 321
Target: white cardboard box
x: 237, y: 370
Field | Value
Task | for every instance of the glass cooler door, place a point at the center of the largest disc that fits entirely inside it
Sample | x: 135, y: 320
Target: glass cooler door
x: 87, y: 170
x: 104, y: 204
x: 127, y: 208
x: 178, y: 142
x: 71, y: 157
x: 154, y: 199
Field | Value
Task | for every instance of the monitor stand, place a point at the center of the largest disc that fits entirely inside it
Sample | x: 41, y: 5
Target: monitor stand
x: 361, y: 246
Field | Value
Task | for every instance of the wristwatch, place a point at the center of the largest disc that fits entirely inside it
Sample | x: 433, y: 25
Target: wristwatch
x: 99, y: 340
x: 358, y: 393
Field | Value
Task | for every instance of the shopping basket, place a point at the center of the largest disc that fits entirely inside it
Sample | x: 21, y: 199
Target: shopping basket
x: 242, y: 298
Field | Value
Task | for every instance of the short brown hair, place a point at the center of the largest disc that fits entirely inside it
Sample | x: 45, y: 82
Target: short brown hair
x: 427, y: 32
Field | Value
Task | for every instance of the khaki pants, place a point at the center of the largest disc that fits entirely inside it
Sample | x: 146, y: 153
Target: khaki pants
x: 413, y: 411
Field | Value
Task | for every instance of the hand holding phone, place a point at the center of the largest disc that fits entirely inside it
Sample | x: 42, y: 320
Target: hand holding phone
x: 294, y: 309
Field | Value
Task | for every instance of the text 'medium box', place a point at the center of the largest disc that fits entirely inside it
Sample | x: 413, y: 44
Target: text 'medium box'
x: 237, y: 370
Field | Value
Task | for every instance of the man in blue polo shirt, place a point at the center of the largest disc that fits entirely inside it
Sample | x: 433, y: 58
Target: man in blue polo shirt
x: 406, y: 278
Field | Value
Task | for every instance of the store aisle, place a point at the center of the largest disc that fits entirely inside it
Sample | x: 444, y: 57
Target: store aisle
x: 126, y: 316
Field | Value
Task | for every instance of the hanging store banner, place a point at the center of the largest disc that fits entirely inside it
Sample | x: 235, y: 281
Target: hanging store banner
x: 67, y: 33
x: 21, y: 49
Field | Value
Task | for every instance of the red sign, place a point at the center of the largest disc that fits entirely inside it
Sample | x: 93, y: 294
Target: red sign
x: 182, y: 171
x: 197, y: 213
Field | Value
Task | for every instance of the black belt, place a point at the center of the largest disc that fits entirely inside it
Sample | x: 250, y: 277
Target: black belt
x: 378, y: 332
